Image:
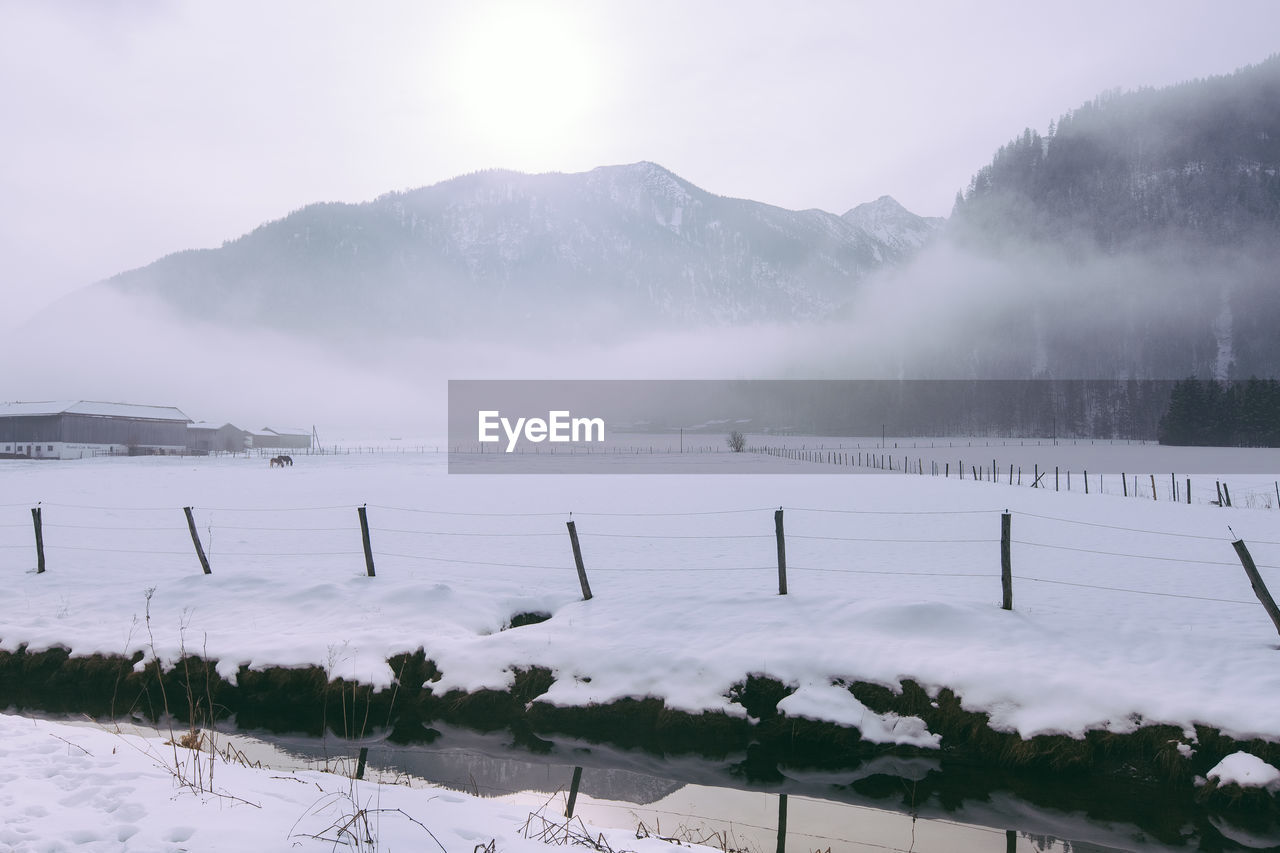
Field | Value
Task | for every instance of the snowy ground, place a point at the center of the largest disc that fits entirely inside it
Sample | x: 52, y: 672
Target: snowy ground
x: 65, y: 787
x: 1125, y: 610
x: 1121, y: 607
x: 1242, y: 477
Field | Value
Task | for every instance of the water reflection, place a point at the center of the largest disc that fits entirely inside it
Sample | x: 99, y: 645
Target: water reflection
x: 890, y: 803
x: 699, y: 801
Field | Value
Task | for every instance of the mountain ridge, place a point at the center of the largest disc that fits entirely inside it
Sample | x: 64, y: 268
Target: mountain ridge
x: 1160, y: 209
x: 631, y: 242
x: 1137, y: 239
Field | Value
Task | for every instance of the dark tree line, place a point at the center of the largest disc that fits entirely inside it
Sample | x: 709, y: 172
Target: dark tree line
x: 1031, y: 408
x: 1198, y: 159
x: 1223, y: 414
x: 1150, y: 221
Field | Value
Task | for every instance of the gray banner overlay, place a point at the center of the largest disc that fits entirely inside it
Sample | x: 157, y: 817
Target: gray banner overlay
x: 848, y: 426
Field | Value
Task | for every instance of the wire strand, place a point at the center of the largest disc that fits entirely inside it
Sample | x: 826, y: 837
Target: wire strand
x: 686, y: 569
x: 1130, y: 556
x: 898, y: 512
x: 222, y: 554
x: 1128, y: 529
x: 672, y: 514
x: 1133, y: 591
x: 469, y: 514
x: 459, y: 533
x: 862, y: 539
x: 889, y: 572
x: 62, y: 526
x: 587, y: 534
x: 469, y: 562
x: 117, y: 550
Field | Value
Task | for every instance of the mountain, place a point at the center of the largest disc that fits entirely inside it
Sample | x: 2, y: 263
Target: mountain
x: 1137, y: 239
x: 1198, y: 161
x: 894, y: 226
x: 498, y: 253
x: 1147, y: 228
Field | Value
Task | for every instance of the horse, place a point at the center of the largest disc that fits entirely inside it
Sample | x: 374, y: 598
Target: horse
x: 276, y: 460
x: 287, y: 460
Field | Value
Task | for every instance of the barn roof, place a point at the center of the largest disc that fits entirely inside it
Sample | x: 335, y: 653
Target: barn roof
x: 212, y: 426
x: 93, y: 408
x: 287, y: 431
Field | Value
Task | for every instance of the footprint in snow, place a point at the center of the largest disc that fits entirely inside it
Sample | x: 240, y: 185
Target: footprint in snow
x: 180, y: 833
x: 83, y: 836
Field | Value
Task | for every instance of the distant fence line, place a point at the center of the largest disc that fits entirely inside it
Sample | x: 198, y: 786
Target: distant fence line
x: 694, y: 444
x: 1178, y: 491
x: 671, y: 446
x: 855, y: 455
x: 470, y: 550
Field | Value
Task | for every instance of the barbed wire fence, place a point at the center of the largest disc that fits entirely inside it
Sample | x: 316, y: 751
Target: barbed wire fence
x: 942, y: 555
x: 1176, y: 489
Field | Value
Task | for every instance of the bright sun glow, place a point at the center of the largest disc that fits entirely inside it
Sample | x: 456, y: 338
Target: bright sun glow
x: 526, y: 78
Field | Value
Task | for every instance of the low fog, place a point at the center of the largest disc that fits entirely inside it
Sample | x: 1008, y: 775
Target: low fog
x: 955, y: 312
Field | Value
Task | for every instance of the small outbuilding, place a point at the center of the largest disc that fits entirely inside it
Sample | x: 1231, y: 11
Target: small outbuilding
x: 287, y: 439
x: 73, y: 429
x: 204, y: 438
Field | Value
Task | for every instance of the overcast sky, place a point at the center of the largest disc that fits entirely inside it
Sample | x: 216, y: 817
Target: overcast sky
x: 136, y: 128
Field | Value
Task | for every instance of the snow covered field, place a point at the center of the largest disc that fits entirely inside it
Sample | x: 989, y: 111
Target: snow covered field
x: 1245, y: 469
x: 1126, y: 611
x: 1121, y: 607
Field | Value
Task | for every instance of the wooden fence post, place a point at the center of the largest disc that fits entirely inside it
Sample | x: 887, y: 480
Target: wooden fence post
x: 1255, y: 579
x: 1153, y: 487
x: 1006, y: 562
x: 1188, y: 491
x: 782, y: 551
x: 1227, y: 493
x: 1086, y: 482
x: 364, y: 536
x: 364, y: 759
x: 573, y: 786
x: 577, y: 560
x: 36, y: 520
x: 782, y: 823
x: 1124, y: 483
x: 195, y: 540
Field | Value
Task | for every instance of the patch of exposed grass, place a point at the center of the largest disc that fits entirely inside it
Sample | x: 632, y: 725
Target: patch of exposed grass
x: 532, y: 617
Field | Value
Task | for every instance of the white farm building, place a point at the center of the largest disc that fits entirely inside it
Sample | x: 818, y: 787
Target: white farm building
x: 73, y: 429
x: 288, y: 439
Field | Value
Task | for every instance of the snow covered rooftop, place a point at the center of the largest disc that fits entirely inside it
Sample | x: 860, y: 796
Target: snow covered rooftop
x: 93, y: 408
x: 285, y: 431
